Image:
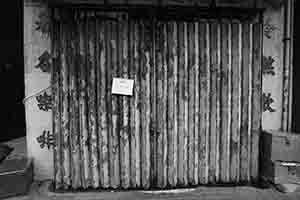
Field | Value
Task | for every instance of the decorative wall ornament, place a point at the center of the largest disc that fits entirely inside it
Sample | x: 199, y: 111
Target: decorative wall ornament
x: 267, y: 101
x: 267, y: 65
x: 44, y: 102
x: 269, y: 29
x: 43, y: 23
x: 46, y: 140
x: 44, y: 62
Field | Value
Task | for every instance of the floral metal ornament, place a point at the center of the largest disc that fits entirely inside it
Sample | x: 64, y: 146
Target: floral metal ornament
x: 44, y: 62
x: 46, y: 140
x: 44, y: 101
x: 267, y: 65
x: 267, y: 101
x: 269, y: 29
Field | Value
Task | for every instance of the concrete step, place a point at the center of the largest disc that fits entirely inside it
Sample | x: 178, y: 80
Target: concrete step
x: 16, y: 176
x: 276, y: 145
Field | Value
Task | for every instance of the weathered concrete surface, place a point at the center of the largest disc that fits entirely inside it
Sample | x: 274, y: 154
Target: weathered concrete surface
x: 39, y: 191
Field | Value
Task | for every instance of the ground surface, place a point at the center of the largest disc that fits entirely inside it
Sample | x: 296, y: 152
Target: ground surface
x: 40, y: 191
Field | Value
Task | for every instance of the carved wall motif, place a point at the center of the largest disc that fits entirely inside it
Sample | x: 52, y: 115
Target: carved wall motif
x: 267, y: 101
x: 44, y: 101
x: 267, y: 65
x: 46, y: 139
x: 269, y: 29
x: 44, y: 62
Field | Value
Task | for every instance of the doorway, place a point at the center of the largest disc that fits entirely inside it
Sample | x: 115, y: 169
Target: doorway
x: 12, y: 71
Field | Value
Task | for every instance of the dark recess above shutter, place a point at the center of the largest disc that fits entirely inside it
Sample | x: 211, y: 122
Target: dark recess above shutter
x: 201, y: 3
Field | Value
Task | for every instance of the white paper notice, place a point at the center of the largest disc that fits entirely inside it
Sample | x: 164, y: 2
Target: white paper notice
x: 122, y: 86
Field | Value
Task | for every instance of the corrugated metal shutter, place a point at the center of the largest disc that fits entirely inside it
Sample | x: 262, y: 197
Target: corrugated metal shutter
x: 194, y: 117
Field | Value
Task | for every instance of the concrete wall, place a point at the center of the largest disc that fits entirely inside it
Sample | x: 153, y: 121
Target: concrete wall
x: 273, y: 57
x: 37, y: 78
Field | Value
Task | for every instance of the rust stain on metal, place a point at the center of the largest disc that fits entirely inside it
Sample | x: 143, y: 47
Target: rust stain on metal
x: 182, y: 126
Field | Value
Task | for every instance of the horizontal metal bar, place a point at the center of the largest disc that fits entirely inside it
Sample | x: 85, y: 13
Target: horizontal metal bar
x: 168, y: 12
x: 122, y: 7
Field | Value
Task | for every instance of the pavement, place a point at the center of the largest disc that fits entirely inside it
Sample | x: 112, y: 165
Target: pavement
x: 41, y: 191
